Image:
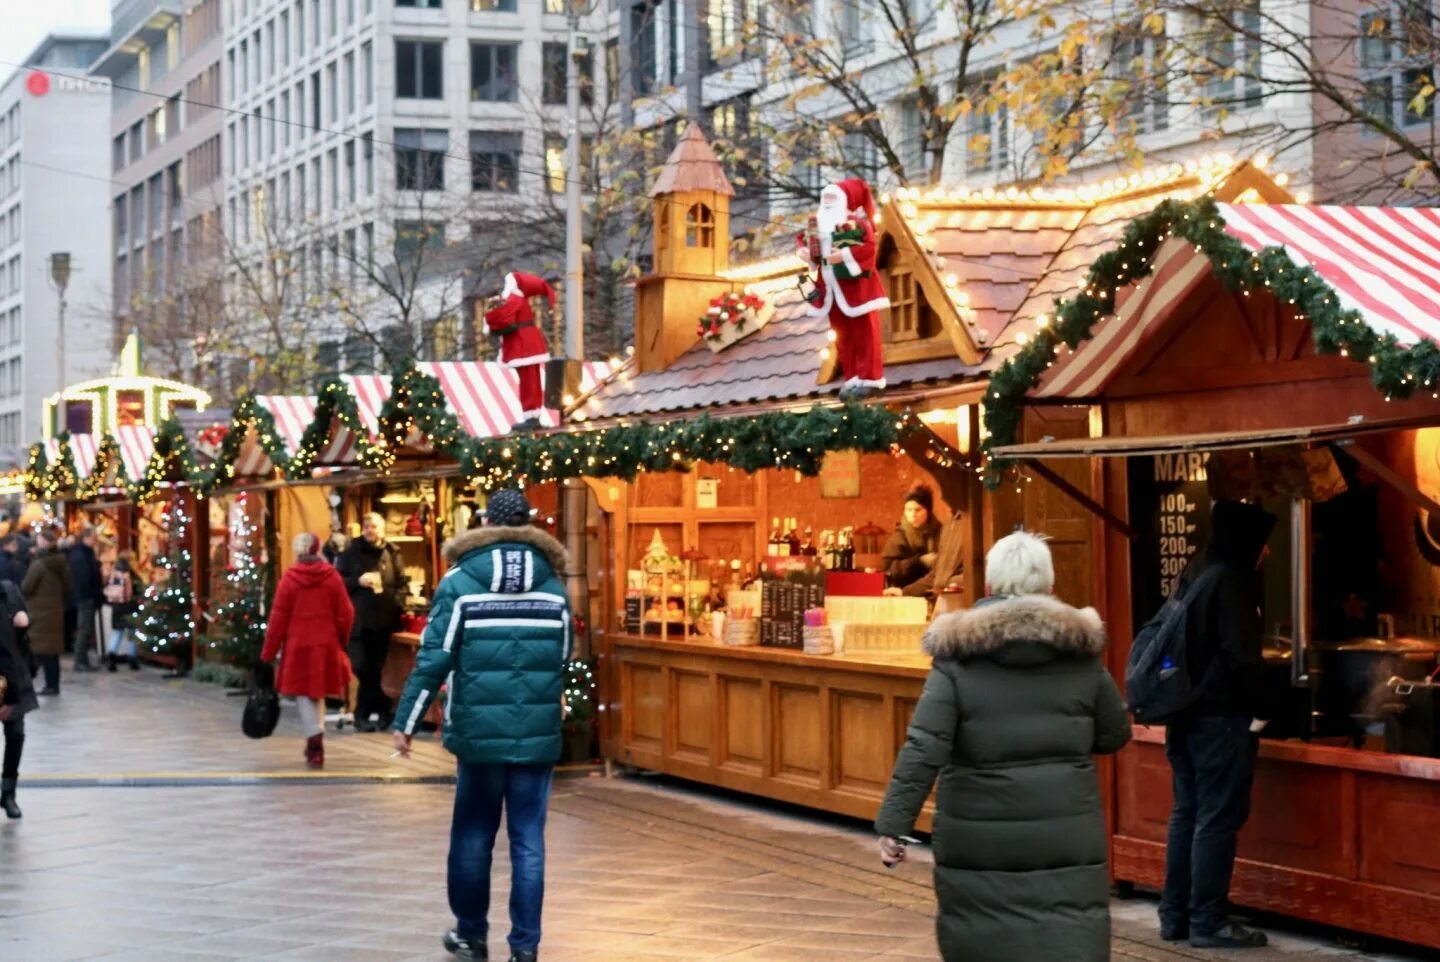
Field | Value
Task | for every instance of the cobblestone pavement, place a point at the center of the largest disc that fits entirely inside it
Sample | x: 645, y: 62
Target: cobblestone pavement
x: 216, y: 860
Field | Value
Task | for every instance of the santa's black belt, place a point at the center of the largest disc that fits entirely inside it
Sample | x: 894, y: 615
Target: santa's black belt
x: 502, y: 331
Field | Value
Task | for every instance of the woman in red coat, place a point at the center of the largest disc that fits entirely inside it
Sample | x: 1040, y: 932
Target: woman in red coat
x: 309, y: 627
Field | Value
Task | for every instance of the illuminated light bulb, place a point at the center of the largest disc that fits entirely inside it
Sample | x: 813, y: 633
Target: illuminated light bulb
x: 952, y: 280
x: 1262, y: 161
x: 1042, y: 321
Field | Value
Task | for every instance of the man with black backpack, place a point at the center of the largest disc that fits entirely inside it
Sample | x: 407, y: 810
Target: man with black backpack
x: 1212, y: 742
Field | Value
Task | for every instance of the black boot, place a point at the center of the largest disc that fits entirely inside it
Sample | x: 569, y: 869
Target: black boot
x: 465, y: 948
x: 110, y: 665
x: 7, y: 799
x: 524, y: 955
x: 134, y: 663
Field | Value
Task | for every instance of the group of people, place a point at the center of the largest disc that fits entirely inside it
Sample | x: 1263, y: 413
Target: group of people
x: 51, y: 592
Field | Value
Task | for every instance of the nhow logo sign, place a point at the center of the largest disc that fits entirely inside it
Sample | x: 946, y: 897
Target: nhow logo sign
x: 40, y: 84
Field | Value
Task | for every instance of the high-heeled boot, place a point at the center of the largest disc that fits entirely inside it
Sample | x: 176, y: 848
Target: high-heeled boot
x: 315, y: 751
x: 7, y: 799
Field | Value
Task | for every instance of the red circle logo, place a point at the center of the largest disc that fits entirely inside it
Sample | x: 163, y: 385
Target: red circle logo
x: 38, y: 83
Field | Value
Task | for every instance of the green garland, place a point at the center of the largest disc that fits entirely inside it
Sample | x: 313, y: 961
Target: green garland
x: 107, y: 458
x: 35, y: 473
x: 248, y: 415
x: 416, y: 402
x: 334, y: 404
x: 1397, y: 370
x: 172, y: 461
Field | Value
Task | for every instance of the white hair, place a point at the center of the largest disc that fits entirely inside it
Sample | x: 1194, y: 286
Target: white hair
x: 1019, y: 564
x: 304, y: 544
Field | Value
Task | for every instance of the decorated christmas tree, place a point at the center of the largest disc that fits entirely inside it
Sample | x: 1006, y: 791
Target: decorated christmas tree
x: 238, y: 617
x: 164, y: 621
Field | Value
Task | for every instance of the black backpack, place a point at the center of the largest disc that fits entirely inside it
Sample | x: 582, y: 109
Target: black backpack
x: 1158, y: 684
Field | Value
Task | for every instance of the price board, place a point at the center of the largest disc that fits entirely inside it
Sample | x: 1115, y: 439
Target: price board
x: 1170, y: 505
x: 788, y: 586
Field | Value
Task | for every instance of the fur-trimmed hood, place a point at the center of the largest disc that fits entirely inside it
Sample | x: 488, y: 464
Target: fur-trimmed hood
x: 1042, y: 620
x: 462, y: 544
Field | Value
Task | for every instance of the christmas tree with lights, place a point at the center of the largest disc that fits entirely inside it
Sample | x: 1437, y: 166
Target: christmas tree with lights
x: 239, y: 617
x: 164, y: 620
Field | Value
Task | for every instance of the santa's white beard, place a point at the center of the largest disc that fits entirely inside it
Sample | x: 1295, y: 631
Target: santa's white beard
x: 827, y: 219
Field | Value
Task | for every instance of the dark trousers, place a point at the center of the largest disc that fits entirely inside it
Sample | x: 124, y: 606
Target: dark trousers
x: 481, y: 791
x: 50, y: 664
x: 14, y: 746
x: 368, y: 652
x: 1212, y: 760
x: 84, y: 631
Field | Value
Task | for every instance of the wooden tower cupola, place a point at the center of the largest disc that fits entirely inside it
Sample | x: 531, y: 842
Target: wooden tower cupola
x: 691, y: 200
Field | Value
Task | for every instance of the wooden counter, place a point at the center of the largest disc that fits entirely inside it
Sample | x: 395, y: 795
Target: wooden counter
x: 816, y: 730
x: 1339, y: 836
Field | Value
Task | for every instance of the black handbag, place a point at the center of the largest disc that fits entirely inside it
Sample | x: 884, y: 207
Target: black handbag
x: 262, y: 713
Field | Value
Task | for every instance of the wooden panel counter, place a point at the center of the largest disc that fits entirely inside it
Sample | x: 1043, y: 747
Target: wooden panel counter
x: 1338, y: 836
x: 816, y: 730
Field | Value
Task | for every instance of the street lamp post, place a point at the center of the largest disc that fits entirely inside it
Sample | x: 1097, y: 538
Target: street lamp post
x: 60, y: 280
x: 576, y: 498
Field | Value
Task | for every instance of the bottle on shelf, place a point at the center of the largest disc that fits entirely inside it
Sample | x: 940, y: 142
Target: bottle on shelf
x: 808, y: 548
x: 792, y: 538
x: 847, y: 550
x: 776, y: 538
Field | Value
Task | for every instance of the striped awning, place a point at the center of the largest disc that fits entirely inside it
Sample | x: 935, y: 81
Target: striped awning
x: 370, y: 392
x: 1383, y: 262
x: 137, y: 445
x: 293, y: 414
x: 483, y: 394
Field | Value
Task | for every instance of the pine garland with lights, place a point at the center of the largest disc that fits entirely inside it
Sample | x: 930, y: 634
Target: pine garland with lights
x: 35, y: 473
x: 1396, y: 369
x: 239, y: 614
x: 416, y: 403
x: 173, y: 461
x: 334, y: 405
x: 249, y: 414
x: 106, y: 472
x: 164, y: 620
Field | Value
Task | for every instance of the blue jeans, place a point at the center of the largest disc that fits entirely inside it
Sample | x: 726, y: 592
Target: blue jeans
x: 1212, y: 761
x: 480, y: 793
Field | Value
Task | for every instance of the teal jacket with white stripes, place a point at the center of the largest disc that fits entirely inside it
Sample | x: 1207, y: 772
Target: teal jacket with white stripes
x: 498, y: 640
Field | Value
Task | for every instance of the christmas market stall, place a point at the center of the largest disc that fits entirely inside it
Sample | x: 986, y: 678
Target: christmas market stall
x: 1286, y: 355
x: 759, y: 627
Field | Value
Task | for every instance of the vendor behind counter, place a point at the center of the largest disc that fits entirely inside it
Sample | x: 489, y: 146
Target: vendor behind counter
x: 922, y: 556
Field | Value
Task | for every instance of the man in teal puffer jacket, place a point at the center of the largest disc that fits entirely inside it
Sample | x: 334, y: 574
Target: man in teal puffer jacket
x: 498, y: 639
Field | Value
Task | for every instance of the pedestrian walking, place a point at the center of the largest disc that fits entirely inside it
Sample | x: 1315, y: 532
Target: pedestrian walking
x: 308, y: 629
x: 87, y: 587
x: 123, y: 590
x: 498, y: 638
x: 17, y: 690
x: 1212, y: 745
x: 47, y: 593
x: 1016, y: 703
x: 375, y: 577
x: 12, y: 561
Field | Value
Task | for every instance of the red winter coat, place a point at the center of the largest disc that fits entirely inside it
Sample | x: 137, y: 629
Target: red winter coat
x: 522, y: 343
x: 856, y: 296
x: 310, y: 625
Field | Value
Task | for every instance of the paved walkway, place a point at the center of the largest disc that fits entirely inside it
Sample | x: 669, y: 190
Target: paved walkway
x: 203, y: 865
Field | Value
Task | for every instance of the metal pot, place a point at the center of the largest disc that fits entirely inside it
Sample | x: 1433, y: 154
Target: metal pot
x: 1350, y: 690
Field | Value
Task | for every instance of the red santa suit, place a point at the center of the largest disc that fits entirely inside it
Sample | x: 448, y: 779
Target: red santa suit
x: 852, y: 304
x: 522, y: 343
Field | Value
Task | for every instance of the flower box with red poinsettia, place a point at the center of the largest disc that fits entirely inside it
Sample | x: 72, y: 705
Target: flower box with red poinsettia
x: 731, y: 316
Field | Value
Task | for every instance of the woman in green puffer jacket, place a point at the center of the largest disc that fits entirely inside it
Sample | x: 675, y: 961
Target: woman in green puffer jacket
x: 1016, y: 704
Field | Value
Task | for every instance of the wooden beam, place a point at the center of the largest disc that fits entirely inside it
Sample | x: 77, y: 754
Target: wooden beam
x: 1087, y: 502
x: 953, y: 481
x: 1387, y: 474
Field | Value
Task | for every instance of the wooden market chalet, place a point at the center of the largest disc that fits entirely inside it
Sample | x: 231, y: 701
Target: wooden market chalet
x: 1096, y: 363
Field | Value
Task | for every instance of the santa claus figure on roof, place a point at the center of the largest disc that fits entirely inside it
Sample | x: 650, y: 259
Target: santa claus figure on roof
x: 522, y: 343
x: 848, y: 289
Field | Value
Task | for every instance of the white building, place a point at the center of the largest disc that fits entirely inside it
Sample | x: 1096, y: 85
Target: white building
x: 358, y: 128
x: 54, y: 198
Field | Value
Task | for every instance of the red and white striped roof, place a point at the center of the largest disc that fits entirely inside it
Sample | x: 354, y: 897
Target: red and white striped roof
x: 137, y: 445
x: 483, y: 394
x: 1383, y: 262
x: 293, y: 414
x: 370, y: 392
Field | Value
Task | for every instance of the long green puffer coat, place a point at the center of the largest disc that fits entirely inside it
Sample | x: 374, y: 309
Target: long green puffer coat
x: 498, y: 639
x: 1016, y: 704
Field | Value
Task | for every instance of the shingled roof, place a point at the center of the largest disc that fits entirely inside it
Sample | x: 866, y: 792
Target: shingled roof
x: 692, y: 165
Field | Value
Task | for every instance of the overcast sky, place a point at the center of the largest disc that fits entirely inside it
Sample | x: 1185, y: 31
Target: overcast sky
x: 26, y: 22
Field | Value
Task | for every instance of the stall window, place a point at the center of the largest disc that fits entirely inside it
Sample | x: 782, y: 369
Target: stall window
x: 910, y: 316
x: 80, y: 417
x: 129, y: 408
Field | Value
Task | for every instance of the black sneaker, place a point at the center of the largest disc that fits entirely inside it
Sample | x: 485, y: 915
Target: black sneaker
x: 1178, y: 933
x: 465, y: 948
x: 1232, y: 936
x: 524, y: 955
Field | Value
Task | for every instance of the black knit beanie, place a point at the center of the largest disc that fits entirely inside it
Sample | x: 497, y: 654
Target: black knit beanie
x: 507, y: 508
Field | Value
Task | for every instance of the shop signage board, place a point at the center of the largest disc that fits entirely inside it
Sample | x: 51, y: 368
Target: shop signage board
x: 840, y: 475
x: 707, y: 493
x: 788, y: 586
x: 1171, y: 499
